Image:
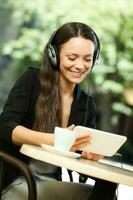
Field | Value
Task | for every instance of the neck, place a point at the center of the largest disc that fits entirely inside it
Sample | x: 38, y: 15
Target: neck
x: 66, y: 89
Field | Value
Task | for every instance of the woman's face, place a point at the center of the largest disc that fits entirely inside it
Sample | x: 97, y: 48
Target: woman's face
x: 76, y: 58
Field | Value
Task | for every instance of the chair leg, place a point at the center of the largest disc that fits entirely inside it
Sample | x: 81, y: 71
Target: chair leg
x: 1, y: 177
x: 82, y: 178
x: 70, y: 175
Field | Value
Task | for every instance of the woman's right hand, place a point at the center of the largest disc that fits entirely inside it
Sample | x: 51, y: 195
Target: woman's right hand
x: 82, y: 140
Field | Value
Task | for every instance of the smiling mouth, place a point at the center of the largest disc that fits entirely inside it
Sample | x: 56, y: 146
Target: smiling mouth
x: 76, y: 74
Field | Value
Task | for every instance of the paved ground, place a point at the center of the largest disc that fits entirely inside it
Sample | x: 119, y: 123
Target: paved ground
x: 124, y: 192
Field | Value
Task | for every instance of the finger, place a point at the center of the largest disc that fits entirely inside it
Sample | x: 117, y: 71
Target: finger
x: 82, y: 135
x: 97, y: 157
x: 82, y: 140
x: 87, y: 155
x: 84, y: 154
x: 71, y: 127
x: 78, y: 146
x: 80, y: 143
x: 91, y: 156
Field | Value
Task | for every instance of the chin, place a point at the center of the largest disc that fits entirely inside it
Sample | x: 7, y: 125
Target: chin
x: 76, y: 81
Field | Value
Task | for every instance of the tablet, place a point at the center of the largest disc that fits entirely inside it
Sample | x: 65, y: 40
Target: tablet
x: 103, y: 143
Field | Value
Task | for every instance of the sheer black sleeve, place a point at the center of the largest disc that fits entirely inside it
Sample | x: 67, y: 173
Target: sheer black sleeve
x: 17, y: 104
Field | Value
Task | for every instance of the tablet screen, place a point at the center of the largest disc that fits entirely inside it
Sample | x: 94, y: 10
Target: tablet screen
x: 103, y: 143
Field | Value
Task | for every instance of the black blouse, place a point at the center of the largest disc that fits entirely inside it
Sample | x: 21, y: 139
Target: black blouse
x: 19, y: 108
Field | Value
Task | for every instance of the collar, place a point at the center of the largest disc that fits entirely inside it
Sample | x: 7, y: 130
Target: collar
x: 78, y: 107
x: 80, y: 98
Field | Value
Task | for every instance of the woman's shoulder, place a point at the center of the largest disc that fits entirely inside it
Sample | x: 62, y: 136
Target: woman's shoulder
x: 28, y: 80
x: 30, y: 75
x: 34, y: 71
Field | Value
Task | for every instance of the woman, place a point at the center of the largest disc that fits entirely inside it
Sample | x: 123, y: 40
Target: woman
x: 49, y: 97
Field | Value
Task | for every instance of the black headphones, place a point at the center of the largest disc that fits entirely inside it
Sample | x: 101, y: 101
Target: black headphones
x: 53, y: 54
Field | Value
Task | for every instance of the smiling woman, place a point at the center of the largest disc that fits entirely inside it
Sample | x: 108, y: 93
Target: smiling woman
x: 76, y: 58
x: 49, y: 97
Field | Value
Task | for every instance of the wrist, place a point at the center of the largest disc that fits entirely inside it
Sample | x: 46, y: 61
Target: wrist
x: 48, y: 138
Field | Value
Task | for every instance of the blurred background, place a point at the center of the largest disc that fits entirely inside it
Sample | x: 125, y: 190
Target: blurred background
x: 25, y: 27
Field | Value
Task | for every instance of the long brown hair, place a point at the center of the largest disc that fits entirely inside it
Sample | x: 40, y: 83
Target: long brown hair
x: 48, y: 107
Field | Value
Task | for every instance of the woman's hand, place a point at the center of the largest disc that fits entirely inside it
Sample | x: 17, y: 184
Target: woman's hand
x: 91, y: 156
x: 71, y: 127
x: 82, y: 139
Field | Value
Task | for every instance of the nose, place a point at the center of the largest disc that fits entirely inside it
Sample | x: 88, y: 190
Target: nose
x: 80, y: 64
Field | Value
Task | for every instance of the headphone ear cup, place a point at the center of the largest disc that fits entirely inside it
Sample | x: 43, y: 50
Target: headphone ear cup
x: 53, y: 56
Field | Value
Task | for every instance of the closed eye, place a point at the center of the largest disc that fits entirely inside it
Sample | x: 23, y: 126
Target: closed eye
x: 88, y: 60
x: 71, y: 58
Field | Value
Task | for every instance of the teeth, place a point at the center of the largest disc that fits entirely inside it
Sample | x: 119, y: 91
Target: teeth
x: 76, y: 74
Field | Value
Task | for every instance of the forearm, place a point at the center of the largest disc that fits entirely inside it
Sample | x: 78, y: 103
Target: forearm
x: 22, y: 135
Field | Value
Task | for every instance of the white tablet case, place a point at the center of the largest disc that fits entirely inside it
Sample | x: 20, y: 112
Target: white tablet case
x: 103, y: 143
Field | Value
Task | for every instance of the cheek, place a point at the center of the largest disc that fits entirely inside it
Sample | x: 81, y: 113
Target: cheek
x: 88, y: 69
x: 65, y: 64
x: 86, y: 73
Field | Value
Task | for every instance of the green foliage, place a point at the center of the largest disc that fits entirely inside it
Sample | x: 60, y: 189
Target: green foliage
x: 112, y: 20
x: 119, y: 107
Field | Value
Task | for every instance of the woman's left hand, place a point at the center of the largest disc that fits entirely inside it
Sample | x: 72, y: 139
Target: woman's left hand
x: 91, y: 156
